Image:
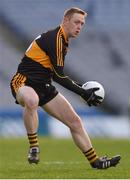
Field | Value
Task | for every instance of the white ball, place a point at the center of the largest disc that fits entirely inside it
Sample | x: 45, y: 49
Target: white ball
x: 95, y: 84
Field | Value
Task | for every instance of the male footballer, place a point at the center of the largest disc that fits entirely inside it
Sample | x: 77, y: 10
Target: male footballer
x: 31, y: 86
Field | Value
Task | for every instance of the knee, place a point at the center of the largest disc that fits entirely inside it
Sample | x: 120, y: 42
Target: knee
x: 31, y: 102
x: 76, y: 124
x: 27, y: 97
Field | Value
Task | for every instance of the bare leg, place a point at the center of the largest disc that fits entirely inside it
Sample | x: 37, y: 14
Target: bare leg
x: 27, y: 97
x: 61, y: 109
x: 30, y: 117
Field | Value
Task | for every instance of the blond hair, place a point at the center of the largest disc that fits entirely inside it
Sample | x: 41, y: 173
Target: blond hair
x: 69, y: 12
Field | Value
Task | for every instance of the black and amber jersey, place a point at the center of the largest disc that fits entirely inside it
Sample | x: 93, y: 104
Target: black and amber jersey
x: 44, y: 59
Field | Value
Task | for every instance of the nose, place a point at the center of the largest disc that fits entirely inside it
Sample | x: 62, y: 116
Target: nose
x: 79, y: 27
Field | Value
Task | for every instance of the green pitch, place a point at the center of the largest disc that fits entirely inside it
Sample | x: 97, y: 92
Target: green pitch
x: 60, y: 159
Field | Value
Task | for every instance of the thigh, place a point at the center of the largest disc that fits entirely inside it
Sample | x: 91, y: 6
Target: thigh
x: 61, y: 109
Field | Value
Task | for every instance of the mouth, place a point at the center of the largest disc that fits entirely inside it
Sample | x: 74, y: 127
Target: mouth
x: 77, y: 32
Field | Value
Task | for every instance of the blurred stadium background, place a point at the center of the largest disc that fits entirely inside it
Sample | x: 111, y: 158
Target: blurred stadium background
x: 100, y: 53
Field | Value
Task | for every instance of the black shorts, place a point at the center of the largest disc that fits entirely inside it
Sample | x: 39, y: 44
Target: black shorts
x: 45, y: 91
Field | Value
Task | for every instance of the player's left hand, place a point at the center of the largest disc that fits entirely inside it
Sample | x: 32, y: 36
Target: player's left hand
x: 91, y: 98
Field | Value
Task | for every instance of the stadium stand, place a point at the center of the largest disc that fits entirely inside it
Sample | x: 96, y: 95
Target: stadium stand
x: 101, y: 52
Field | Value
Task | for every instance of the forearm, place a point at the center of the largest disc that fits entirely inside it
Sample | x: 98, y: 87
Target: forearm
x: 69, y: 84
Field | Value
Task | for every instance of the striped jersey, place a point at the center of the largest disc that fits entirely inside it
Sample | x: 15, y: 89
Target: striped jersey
x: 44, y: 59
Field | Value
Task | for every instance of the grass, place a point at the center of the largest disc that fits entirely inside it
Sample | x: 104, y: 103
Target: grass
x: 61, y: 160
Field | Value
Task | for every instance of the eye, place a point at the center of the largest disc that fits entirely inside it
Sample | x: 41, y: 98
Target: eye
x: 82, y: 23
x: 76, y: 22
x: 79, y: 22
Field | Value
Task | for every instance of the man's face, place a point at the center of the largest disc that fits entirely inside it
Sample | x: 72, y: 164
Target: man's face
x: 74, y: 24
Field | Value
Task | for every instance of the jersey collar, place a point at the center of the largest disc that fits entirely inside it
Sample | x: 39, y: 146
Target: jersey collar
x: 64, y: 34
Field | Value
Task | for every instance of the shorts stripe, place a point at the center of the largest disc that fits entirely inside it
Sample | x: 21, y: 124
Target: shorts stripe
x: 18, y: 81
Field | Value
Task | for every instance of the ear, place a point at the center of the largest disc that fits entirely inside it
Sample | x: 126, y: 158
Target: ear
x: 66, y: 19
